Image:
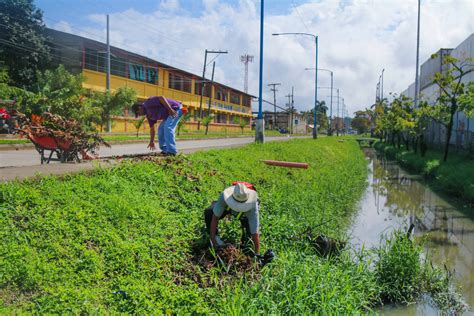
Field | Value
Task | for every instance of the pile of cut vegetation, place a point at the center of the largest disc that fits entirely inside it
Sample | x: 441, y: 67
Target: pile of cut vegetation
x: 67, y: 133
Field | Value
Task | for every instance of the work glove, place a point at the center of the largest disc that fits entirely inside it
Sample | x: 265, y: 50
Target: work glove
x: 266, y: 258
x: 219, y: 242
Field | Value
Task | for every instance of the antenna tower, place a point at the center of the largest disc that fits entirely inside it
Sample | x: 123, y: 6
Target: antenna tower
x: 246, y: 59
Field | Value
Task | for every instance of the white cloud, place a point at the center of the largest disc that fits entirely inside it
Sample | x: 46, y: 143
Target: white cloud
x: 171, y: 5
x: 357, y: 39
x: 63, y: 26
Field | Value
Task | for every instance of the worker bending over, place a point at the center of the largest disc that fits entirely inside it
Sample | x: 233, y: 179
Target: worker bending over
x: 241, y: 202
x: 167, y: 111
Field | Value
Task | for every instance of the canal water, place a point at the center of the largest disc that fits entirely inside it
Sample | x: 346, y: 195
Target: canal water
x: 395, y: 199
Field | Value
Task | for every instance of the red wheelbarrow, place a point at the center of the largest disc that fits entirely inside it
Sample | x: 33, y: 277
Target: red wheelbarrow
x: 63, y: 148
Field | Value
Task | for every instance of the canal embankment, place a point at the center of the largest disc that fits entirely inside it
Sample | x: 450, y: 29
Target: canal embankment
x: 454, y: 177
x: 396, y: 199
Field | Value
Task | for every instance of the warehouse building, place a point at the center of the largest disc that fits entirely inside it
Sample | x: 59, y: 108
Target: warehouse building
x: 463, y: 129
x: 149, y: 77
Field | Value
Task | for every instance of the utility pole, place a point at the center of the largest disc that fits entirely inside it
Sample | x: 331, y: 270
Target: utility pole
x: 292, y: 108
x: 246, y: 59
x: 203, y: 82
x: 212, y: 82
x: 289, y: 110
x: 338, y: 118
x: 274, y: 102
x: 343, y: 116
x: 107, y: 76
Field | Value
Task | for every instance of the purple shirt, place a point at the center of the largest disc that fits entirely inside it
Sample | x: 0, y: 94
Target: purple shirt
x: 155, y: 111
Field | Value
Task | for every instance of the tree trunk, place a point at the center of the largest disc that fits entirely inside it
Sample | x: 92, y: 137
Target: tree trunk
x: 450, y: 127
x: 415, y: 144
x: 207, y: 129
x: 423, y: 146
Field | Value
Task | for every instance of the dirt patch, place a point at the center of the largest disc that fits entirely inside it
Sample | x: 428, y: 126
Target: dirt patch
x: 12, y: 296
x: 229, y: 262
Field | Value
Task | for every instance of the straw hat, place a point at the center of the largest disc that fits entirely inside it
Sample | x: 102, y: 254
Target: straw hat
x: 240, y: 198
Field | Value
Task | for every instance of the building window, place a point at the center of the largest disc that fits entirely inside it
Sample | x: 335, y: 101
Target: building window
x: 95, y: 60
x: 246, y: 101
x: 152, y: 75
x: 178, y: 82
x: 198, y: 87
x: 118, y: 66
x: 136, y: 72
x: 221, y: 94
x: 234, y: 98
x: 221, y: 118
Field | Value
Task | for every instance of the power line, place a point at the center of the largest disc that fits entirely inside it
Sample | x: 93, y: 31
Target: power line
x: 116, y: 61
x: 125, y: 75
x: 131, y: 47
x: 301, y: 18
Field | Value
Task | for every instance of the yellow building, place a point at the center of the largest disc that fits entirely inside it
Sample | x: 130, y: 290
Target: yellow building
x: 149, y: 77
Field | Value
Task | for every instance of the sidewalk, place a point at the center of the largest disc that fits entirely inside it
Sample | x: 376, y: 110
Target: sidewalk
x: 14, y: 170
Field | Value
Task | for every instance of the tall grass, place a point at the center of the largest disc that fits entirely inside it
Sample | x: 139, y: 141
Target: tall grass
x: 123, y: 239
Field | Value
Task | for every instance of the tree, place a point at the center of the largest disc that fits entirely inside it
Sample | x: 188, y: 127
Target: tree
x: 243, y: 123
x: 59, y: 92
x: 206, y: 121
x: 361, y: 122
x: 454, y: 94
x: 113, y: 103
x: 23, y: 46
x: 321, y: 117
x: 138, y: 123
x: 182, y: 121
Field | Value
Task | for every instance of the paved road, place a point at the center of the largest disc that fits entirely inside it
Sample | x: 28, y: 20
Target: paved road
x: 30, y: 157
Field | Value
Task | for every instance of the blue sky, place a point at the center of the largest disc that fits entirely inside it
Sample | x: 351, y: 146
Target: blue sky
x: 357, y: 38
x: 76, y: 12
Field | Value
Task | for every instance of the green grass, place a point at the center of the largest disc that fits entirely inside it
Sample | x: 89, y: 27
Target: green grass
x: 13, y: 141
x: 123, y: 239
x: 454, y: 177
x: 146, y: 137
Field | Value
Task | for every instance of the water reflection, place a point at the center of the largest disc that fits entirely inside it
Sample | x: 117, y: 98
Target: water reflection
x: 396, y: 199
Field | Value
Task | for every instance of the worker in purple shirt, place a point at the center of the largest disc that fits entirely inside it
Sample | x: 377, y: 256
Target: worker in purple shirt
x: 169, y: 112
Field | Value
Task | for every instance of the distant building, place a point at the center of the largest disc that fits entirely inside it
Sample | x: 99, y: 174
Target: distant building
x: 149, y: 78
x: 295, y: 122
x: 463, y: 128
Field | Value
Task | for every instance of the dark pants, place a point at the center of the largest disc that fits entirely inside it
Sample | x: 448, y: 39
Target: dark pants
x: 246, y: 238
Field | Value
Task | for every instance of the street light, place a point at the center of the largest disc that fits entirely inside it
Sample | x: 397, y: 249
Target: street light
x: 203, y: 84
x: 315, y: 132
x: 260, y: 124
x: 330, y: 114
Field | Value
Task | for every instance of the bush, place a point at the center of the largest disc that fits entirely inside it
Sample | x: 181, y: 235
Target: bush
x: 398, y: 269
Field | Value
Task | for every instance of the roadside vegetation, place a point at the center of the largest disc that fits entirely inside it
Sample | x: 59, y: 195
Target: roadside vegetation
x: 146, y: 137
x: 131, y: 238
x: 454, y: 177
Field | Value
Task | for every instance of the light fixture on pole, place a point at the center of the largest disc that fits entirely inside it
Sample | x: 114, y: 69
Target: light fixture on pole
x: 315, y: 128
